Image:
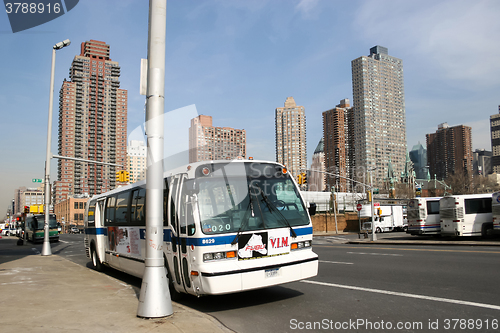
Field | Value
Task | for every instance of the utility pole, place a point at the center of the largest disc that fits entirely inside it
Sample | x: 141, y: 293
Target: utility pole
x: 154, y: 299
x: 46, y: 251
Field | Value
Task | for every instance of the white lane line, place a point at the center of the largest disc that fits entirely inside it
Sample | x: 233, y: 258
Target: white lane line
x: 63, y: 241
x: 34, y: 249
x: 386, y: 292
x: 377, y: 254
x: 337, y: 262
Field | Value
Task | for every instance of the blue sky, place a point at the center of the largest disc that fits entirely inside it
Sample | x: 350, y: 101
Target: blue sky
x: 239, y: 60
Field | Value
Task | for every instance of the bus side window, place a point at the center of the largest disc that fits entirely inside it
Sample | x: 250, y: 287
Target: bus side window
x: 165, y: 203
x: 110, y: 211
x: 138, y: 207
x: 122, y: 203
x: 173, y: 213
x: 91, y: 214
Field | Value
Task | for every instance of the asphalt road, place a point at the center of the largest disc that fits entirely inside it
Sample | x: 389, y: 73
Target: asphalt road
x: 359, y: 288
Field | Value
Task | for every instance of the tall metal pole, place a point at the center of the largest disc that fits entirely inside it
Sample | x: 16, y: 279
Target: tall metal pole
x: 154, y: 299
x: 46, y: 251
x: 374, y: 237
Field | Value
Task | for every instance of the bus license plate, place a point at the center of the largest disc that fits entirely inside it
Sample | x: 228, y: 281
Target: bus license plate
x: 272, y: 272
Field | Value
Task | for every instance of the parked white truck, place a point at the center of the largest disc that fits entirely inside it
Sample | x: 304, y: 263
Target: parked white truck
x: 387, y: 218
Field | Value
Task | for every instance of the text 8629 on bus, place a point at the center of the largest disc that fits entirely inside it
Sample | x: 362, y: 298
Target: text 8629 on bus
x: 228, y: 227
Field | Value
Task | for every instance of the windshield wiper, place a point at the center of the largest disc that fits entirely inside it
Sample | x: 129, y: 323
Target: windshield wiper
x: 271, y: 207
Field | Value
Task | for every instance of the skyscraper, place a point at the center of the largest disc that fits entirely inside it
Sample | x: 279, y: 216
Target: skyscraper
x: 495, y: 141
x: 207, y: 142
x: 291, y: 136
x: 379, y: 116
x: 449, y: 151
x: 92, y: 123
x: 418, y: 155
x: 317, y: 177
x: 336, y: 144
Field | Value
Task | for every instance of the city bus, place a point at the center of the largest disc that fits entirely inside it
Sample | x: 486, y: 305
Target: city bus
x: 228, y: 226
x: 34, y: 228
x: 423, y: 216
x: 466, y: 215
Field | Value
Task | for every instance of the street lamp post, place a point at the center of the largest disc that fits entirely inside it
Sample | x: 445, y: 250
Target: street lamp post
x: 374, y: 237
x: 46, y: 251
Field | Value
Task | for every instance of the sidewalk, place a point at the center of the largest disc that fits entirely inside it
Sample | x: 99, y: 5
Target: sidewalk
x: 53, y: 294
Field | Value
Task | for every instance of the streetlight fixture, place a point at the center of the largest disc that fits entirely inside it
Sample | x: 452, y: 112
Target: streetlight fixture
x: 46, y: 251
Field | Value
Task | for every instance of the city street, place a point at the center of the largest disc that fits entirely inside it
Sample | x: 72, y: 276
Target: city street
x: 407, y: 287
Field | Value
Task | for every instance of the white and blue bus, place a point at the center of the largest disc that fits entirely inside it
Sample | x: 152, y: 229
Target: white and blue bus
x: 466, y: 215
x: 423, y: 216
x: 495, y: 210
x: 229, y: 226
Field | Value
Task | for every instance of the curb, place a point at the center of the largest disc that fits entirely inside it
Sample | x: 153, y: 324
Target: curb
x: 409, y: 242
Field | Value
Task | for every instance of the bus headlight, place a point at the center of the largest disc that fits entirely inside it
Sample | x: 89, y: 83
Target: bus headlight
x: 219, y: 255
x: 301, y: 245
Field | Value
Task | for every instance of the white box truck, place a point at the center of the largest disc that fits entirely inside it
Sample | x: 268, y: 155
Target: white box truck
x: 387, y: 218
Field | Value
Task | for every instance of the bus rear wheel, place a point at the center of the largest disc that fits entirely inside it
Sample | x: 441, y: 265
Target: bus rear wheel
x: 96, y: 263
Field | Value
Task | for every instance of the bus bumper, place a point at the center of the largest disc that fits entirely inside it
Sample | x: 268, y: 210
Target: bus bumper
x: 215, y: 283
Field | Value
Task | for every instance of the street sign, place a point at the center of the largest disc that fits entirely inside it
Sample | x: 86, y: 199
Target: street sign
x: 376, y: 204
x: 34, y: 180
x: 359, y: 206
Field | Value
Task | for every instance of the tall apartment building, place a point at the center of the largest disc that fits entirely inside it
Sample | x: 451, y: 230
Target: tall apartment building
x: 207, y: 142
x: 449, y: 151
x: 136, y: 160
x: 379, y: 116
x: 495, y: 141
x: 336, y: 138
x: 92, y: 123
x: 290, y: 129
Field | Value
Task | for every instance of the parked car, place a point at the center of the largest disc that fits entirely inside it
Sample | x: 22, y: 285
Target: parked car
x: 74, y: 230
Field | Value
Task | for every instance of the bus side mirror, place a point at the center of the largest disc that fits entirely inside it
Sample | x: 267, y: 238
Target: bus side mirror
x: 312, y: 209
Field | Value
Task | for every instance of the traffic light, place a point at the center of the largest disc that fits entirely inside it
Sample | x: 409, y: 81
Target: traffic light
x: 119, y: 176
x: 26, y: 209
x: 369, y: 196
x: 299, y: 179
x: 304, y: 178
x: 126, y: 176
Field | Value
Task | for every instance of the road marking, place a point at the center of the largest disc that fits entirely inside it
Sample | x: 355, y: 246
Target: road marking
x: 377, y: 254
x: 63, y: 241
x: 394, y: 293
x: 401, y: 249
x: 34, y: 249
x: 337, y: 262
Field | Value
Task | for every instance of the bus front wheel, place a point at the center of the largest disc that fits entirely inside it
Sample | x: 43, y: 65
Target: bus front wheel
x: 96, y: 263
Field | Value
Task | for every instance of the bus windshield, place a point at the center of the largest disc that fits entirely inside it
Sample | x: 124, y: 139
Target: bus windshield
x: 251, y: 199
x: 41, y: 222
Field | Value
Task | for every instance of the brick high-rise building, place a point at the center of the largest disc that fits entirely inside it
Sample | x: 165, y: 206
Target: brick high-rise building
x: 207, y: 142
x: 291, y: 136
x: 92, y: 123
x: 449, y: 151
x: 336, y: 138
x: 379, y: 113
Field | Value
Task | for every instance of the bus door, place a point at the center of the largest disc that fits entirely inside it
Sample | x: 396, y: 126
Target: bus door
x: 100, y: 231
x: 178, y: 207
